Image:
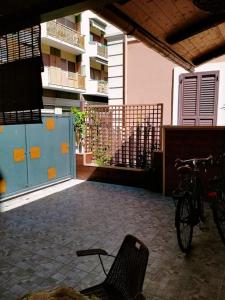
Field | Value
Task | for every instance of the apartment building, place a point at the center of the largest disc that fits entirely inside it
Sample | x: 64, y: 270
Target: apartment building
x: 75, y: 61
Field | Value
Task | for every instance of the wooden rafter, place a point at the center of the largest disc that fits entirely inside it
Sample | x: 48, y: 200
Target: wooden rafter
x: 130, y: 26
x: 209, y: 55
x: 195, y: 28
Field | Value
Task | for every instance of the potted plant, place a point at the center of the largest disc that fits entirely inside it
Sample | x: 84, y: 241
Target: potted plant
x: 79, y: 118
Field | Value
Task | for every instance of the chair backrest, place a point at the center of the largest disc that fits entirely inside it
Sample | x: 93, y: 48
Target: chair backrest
x: 127, y: 272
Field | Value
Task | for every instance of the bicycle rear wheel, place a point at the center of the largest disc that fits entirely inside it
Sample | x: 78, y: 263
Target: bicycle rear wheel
x: 219, y: 214
x: 184, y: 223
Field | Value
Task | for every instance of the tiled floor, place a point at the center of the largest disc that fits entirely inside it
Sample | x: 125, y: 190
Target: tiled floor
x: 38, y: 242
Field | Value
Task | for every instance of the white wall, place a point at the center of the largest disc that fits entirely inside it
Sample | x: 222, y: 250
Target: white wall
x: 85, y: 30
x: 115, y: 65
x: 219, y: 66
x: 44, y: 76
x: 89, y: 49
x: 176, y: 73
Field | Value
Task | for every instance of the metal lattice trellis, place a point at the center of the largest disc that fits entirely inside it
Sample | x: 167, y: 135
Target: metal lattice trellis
x: 123, y: 135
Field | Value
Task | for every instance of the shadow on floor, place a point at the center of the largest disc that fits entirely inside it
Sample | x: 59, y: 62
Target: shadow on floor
x: 39, y: 242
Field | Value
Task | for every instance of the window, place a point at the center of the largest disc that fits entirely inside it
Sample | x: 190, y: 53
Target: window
x: 105, y: 76
x: 198, y: 93
x: 71, y: 69
x: 94, y: 38
x: 55, y: 51
x: 78, y: 23
x: 71, y: 66
x: 78, y: 18
x: 63, y: 64
x: 95, y: 74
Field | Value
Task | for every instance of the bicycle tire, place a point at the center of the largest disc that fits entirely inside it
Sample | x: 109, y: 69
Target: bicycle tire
x: 219, y: 214
x: 184, y: 238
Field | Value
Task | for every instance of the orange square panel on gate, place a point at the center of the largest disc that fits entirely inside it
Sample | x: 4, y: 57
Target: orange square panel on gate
x: 52, y: 172
x: 50, y: 124
x: 18, y: 154
x: 1, y: 129
x: 64, y: 148
x: 35, y: 152
x: 2, y: 186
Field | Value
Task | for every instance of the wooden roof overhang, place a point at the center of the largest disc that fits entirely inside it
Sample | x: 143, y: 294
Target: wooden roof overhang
x: 177, y: 29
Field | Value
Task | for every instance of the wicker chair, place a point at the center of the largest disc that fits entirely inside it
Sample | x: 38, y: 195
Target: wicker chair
x: 125, y: 278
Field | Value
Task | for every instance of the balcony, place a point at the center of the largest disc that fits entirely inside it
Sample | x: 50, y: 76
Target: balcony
x: 97, y: 87
x: 62, y: 37
x: 63, y: 80
x: 98, y: 50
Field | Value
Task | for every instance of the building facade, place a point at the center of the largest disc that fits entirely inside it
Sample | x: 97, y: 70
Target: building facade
x: 139, y: 75
x: 75, y: 61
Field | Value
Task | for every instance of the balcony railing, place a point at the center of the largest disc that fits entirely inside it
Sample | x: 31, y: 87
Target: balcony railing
x: 98, y: 49
x: 102, y: 86
x: 102, y: 50
x: 65, y: 34
x: 66, y: 79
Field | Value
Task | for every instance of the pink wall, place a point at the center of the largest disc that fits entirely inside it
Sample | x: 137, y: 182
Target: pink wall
x: 149, y: 78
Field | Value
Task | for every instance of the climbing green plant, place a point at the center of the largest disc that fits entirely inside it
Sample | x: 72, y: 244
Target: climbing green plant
x: 79, y: 122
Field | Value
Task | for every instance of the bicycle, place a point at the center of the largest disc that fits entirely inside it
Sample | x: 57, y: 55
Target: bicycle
x: 216, y: 195
x: 189, y: 198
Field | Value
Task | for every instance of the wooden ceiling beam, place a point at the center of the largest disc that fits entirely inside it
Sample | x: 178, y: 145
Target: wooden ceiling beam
x: 195, y: 28
x: 209, y: 55
x: 120, y: 19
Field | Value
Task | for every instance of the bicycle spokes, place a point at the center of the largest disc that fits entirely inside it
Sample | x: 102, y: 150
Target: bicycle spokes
x: 184, y: 225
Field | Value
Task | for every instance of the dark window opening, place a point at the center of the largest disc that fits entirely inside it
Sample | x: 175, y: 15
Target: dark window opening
x: 71, y: 67
x: 95, y: 74
x: 95, y: 38
x: 55, y: 51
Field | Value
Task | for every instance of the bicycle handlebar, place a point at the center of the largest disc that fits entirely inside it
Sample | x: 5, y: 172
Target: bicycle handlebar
x: 198, y: 161
x: 194, y: 161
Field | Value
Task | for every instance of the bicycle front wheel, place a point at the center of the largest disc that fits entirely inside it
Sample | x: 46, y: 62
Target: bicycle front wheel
x: 184, y: 223
x: 219, y: 214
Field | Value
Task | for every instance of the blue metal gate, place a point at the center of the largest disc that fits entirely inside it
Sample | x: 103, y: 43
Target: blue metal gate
x: 35, y: 155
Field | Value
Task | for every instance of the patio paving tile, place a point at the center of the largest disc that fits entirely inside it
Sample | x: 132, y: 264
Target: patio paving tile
x: 39, y: 243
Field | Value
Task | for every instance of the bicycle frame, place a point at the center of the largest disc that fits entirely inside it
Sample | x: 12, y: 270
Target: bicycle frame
x: 190, y: 181
x: 216, y: 196
x: 189, y: 199
x: 217, y: 183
